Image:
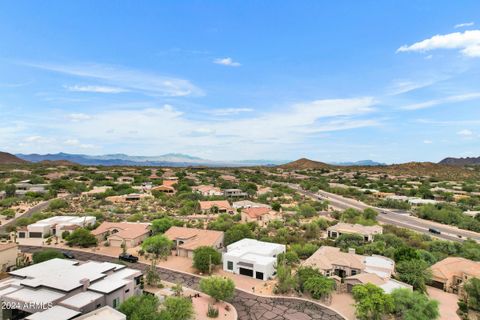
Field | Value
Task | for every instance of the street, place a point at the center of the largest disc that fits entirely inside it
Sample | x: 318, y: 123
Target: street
x: 396, y: 218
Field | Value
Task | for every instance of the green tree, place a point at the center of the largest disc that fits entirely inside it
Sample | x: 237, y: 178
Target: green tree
x: 319, y: 286
x: 410, y: 305
x: 81, y: 237
x: 179, y: 308
x: 205, y: 257
x: 237, y: 233
x: 405, y: 253
x: 159, y: 246
x: 303, y: 274
x: 141, y: 308
x: 47, y: 254
x: 285, y: 280
x: 56, y: 204
x: 472, y: 288
x: 371, y: 302
x: 10, y: 190
x: 163, y: 224
x: 306, y: 211
x: 415, y: 272
x: 219, y: 288
x: 349, y: 240
x: 291, y: 258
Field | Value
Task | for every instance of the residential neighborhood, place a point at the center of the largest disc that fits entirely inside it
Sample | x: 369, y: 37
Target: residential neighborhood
x: 265, y: 244
x: 239, y: 160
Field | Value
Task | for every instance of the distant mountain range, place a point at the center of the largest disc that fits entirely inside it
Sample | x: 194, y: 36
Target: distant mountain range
x: 461, y: 161
x: 167, y: 160
x: 358, y: 163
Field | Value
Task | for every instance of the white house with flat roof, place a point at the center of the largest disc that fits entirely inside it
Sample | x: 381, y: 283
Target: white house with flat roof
x: 55, y: 226
x: 253, y: 258
x: 62, y: 289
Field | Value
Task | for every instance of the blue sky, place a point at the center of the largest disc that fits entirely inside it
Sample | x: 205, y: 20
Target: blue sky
x: 385, y: 80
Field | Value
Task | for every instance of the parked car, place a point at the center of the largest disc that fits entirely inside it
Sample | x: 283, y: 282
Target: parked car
x: 128, y: 257
x: 68, y: 255
x: 432, y: 230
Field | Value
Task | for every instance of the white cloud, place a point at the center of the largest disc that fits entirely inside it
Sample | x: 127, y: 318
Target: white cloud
x: 129, y: 79
x: 95, y: 89
x: 76, y: 117
x: 450, y: 99
x: 468, y: 42
x: 71, y: 142
x: 227, y: 62
x: 427, y: 141
x: 401, y: 86
x: 228, y: 111
x: 463, y: 25
x: 166, y: 129
x: 35, y: 139
x: 465, y: 133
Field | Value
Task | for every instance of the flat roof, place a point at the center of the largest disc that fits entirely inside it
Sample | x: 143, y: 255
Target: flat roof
x: 82, y: 299
x: 35, y: 296
x: 54, y: 313
x: 114, y: 281
x: 66, y: 275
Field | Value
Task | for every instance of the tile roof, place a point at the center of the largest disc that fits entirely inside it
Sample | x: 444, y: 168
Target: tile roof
x: 326, y: 257
x: 256, y: 212
x: 221, y: 204
x: 126, y: 230
x: 455, y: 266
x: 194, y: 238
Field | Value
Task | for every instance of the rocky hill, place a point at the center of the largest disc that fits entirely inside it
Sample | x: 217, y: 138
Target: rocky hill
x: 461, y: 161
x: 305, y: 164
x: 7, y: 158
x: 413, y: 169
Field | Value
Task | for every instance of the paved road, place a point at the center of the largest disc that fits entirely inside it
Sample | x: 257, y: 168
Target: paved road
x: 248, y: 306
x: 35, y: 209
x: 397, y: 218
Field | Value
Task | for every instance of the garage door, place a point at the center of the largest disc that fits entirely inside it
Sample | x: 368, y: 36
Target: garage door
x: 116, y: 242
x: 35, y: 234
x: 436, y: 284
x: 246, y: 272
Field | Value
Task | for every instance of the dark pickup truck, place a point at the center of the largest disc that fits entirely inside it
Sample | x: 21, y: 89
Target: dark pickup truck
x: 128, y: 257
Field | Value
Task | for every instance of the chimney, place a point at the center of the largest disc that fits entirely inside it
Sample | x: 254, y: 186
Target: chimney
x: 85, y: 283
x: 351, y: 250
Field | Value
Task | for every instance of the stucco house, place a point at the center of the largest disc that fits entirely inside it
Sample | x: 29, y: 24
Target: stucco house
x: 216, y: 206
x: 188, y: 239
x: 116, y: 233
x: 331, y: 261
x: 450, y: 274
x: 260, y: 215
x: 64, y: 289
x: 55, y: 226
x: 252, y: 258
x: 367, y: 232
x: 207, y: 190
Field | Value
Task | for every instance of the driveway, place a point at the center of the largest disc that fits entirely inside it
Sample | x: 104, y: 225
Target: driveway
x: 249, y: 306
x: 447, y: 303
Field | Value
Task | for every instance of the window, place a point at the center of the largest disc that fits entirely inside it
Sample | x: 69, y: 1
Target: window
x: 98, y: 306
x: 229, y: 265
x: 127, y: 291
x: 116, y: 303
x: 354, y: 272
